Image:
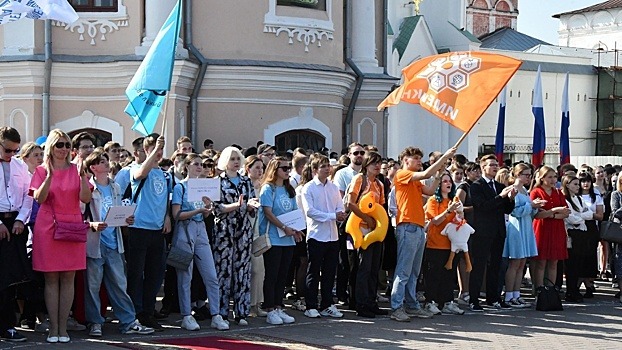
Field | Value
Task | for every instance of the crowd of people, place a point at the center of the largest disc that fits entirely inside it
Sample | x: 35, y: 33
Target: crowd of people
x: 516, y: 215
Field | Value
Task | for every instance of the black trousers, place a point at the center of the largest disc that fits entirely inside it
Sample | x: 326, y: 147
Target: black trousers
x: 323, y: 259
x: 440, y: 282
x: 343, y: 268
x: 145, y: 256
x: 486, y: 253
x: 276, y: 262
x: 14, y: 269
x: 367, y: 275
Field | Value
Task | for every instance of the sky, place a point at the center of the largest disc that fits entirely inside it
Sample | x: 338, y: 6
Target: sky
x: 535, y: 16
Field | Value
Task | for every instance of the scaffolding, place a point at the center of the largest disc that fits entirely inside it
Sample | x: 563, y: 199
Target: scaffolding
x: 609, y: 108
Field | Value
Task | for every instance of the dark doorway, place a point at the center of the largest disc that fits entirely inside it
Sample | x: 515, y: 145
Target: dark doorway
x: 307, y: 139
x: 101, y: 137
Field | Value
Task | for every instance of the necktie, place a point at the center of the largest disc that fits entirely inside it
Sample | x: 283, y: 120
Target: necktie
x: 492, y: 186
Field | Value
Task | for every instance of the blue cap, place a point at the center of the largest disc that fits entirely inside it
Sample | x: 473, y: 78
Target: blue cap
x: 41, y: 140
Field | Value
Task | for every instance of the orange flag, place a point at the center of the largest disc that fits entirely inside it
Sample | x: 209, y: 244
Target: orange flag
x: 457, y: 87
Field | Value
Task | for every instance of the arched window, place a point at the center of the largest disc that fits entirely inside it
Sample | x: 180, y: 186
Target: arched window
x: 101, y: 136
x: 314, y: 4
x: 305, y: 138
x: 94, y: 5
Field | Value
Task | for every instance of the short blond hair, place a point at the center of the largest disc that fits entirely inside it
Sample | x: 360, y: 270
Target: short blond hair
x: 226, y: 154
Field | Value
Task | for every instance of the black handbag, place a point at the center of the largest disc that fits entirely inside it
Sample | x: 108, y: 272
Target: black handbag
x: 548, y: 298
x: 611, y: 231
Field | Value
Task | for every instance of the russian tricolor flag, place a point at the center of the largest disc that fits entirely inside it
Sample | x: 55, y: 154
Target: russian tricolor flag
x: 564, y: 138
x: 539, y: 137
x: 499, y: 139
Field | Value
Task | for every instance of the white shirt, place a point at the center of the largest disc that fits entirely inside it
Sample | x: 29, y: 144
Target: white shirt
x: 294, y: 178
x: 321, y: 202
x: 14, y: 193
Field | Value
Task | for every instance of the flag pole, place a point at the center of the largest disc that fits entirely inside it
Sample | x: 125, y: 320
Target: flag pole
x: 164, y: 113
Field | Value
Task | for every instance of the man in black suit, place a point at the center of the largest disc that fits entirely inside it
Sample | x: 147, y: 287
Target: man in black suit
x: 491, y: 200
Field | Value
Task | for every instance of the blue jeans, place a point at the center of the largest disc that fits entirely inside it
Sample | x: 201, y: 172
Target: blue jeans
x: 109, y: 268
x: 205, y: 263
x: 410, y: 247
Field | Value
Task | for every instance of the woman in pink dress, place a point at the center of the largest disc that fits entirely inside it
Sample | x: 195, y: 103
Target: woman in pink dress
x: 58, y: 186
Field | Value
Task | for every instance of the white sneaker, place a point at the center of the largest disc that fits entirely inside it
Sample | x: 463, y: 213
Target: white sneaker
x: 433, y: 308
x: 137, y: 328
x: 219, y: 324
x: 312, y: 313
x: 73, y: 325
x: 242, y: 322
x: 189, y: 323
x: 332, y: 312
x: 452, y: 308
x: 285, y: 317
x: 419, y: 313
x: 273, y: 318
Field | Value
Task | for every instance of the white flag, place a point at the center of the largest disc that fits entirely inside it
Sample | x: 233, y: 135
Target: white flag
x: 59, y: 10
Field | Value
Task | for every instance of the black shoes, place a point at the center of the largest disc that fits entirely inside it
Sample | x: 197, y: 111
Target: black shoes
x: 150, y: 321
x: 365, y: 312
x: 476, y: 308
x: 589, y: 292
x: 574, y: 297
x: 378, y: 311
x: 201, y: 313
x: 12, y: 335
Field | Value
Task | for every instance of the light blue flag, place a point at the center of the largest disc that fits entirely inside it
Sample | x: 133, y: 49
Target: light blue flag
x: 148, y: 88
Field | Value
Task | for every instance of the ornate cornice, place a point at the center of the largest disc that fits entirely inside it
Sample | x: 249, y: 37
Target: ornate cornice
x: 303, y: 35
x: 97, y: 24
x: 305, y: 30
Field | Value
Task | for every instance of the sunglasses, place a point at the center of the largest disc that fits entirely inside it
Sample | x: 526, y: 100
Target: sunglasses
x: 285, y: 168
x: 60, y: 145
x: 8, y: 150
x: 208, y: 165
x: 359, y: 153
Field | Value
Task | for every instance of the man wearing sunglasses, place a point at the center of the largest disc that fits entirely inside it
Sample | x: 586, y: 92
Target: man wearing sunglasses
x: 15, y: 205
x: 342, y: 179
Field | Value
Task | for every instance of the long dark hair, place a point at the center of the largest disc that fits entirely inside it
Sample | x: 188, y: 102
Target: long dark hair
x: 565, y: 181
x: 585, y: 177
x: 270, y: 175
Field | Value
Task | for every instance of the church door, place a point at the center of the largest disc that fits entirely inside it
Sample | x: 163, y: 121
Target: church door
x: 307, y: 139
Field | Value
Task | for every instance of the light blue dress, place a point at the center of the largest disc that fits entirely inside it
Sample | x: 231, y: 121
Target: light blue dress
x: 520, y: 241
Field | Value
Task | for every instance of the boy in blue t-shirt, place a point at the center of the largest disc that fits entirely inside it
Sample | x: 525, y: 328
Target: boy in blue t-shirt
x: 104, y: 251
x: 146, y: 245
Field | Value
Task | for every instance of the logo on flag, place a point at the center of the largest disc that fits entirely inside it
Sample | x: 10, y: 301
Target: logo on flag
x: 59, y: 10
x: 451, y: 72
x: 457, y: 87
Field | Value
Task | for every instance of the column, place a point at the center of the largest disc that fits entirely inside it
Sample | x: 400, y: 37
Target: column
x: 156, y: 13
x: 363, y: 34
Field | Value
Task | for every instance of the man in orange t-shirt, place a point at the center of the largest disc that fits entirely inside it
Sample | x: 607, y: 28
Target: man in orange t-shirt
x: 409, y: 191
